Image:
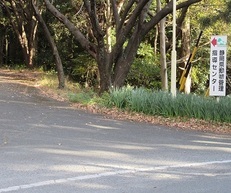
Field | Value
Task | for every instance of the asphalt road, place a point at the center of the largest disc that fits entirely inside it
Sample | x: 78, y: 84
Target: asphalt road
x: 48, y: 147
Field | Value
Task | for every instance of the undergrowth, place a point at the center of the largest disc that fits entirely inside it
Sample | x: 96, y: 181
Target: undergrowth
x: 163, y: 104
x: 150, y: 102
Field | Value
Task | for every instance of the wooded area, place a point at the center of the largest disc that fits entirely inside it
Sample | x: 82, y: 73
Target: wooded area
x: 110, y: 43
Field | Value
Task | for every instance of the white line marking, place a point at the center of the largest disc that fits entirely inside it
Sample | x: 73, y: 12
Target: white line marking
x: 106, y: 174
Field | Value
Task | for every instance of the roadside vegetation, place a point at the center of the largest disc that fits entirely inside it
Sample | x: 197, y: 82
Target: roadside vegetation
x: 147, y: 101
x: 190, y: 112
x: 161, y: 103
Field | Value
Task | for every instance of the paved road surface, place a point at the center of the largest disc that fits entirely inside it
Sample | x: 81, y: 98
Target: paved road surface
x: 47, y: 147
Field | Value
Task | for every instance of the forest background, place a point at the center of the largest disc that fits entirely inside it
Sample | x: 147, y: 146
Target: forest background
x: 100, y: 44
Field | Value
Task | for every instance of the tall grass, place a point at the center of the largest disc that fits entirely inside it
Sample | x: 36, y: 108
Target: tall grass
x: 162, y: 103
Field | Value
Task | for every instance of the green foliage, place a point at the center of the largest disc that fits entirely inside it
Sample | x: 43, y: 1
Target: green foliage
x: 84, y: 69
x: 146, y: 51
x: 145, y: 71
x: 144, y: 74
x: 200, y: 75
x: 162, y: 103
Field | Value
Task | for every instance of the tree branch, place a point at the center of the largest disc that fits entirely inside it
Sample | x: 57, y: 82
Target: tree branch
x: 115, y: 13
x: 120, y: 39
x: 144, y: 13
x: 164, y: 12
x: 97, y: 30
x: 125, y: 13
x: 88, y: 46
x: 51, y: 41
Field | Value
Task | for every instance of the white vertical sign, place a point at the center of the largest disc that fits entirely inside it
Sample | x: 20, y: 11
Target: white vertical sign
x: 218, y: 56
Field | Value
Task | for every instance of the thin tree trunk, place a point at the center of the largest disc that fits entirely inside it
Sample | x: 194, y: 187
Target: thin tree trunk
x: 51, y: 41
x: 156, y: 39
x: 18, y: 24
x: 186, y: 50
x: 108, y: 26
x: 32, y: 40
x: 164, y: 69
x: 163, y: 63
x: 6, y: 49
x: 24, y: 45
x: 1, y: 49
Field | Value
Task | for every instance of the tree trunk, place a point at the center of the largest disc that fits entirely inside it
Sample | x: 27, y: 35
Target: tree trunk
x: 164, y: 69
x: 6, y: 49
x: 32, y: 40
x: 51, y: 41
x: 1, y: 49
x: 108, y: 26
x: 156, y: 39
x: 24, y: 45
x: 123, y: 64
x: 121, y: 72
x: 105, y: 78
x: 27, y: 44
x: 163, y: 63
x: 104, y: 55
x: 24, y: 27
x: 186, y: 51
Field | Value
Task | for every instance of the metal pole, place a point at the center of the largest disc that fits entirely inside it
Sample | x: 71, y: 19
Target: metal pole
x: 173, y: 54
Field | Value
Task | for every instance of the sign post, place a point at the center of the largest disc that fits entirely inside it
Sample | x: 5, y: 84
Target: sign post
x: 218, y: 60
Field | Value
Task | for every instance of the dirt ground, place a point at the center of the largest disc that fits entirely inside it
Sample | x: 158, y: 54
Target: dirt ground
x: 30, y: 78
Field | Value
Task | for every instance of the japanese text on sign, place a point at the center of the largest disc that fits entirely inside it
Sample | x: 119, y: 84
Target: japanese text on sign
x: 218, y: 66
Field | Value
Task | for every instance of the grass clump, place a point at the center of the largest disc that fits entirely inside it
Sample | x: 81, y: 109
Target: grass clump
x: 49, y: 79
x: 85, y: 97
x: 163, y: 104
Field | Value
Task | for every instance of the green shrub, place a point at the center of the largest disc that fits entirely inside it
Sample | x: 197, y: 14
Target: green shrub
x: 145, y: 70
